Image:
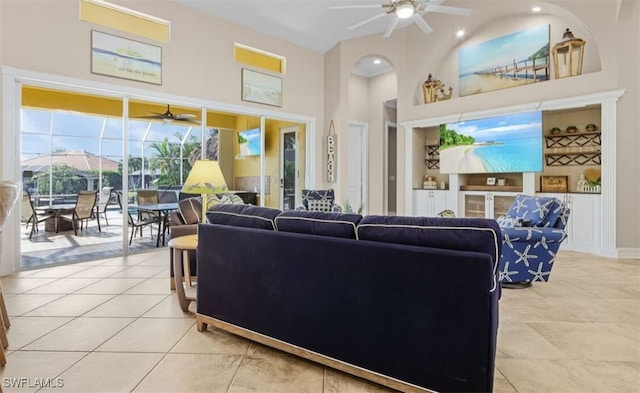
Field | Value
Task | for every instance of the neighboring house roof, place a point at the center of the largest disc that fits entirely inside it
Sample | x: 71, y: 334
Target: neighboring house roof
x: 80, y: 160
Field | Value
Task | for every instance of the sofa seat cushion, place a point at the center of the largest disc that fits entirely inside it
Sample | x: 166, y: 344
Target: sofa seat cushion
x: 319, y: 223
x: 531, y: 209
x: 247, y: 216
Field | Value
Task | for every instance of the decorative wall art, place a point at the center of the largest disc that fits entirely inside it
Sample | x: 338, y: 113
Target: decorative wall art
x: 261, y: 88
x: 332, y: 139
x: 553, y: 184
x: 512, y: 60
x: 124, y: 58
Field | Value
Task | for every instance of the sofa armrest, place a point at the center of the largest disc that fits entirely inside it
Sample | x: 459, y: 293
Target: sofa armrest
x: 183, y: 230
x: 336, y: 209
x: 301, y: 207
x: 534, y: 234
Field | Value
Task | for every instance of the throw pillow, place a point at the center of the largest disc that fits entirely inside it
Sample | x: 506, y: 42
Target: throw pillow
x: 509, y: 222
x: 191, y: 210
x: 320, y: 206
x: 316, y: 195
x: 531, y: 208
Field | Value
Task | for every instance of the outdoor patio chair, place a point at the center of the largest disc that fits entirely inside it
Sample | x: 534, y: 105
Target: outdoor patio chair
x: 38, y: 215
x: 83, y: 211
x: 103, y: 202
x: 135, y: 225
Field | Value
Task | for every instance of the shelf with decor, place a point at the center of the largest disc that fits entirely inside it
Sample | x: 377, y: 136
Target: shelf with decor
x: 573, y: 140
x: 573, y: 158
x: 433, y: 156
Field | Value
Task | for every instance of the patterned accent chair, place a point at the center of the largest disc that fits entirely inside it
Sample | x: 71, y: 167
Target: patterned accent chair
x: 532, y: 232
x: 319, y: 200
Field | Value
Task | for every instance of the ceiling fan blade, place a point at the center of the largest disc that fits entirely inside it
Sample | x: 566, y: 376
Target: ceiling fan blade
x: 422, y: 24
x: 392, y: 25
x: 364, y: 22
x: 344, y: 7
x: 185, y: 116
x: 190, y: 121
x: 158, y: 116
x: 447, y: 10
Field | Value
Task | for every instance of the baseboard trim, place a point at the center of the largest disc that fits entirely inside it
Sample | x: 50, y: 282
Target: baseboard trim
x: 629, y: 253
x: 202, y: 321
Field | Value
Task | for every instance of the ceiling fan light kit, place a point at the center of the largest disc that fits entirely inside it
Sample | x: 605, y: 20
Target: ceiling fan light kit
x: 405, y: 9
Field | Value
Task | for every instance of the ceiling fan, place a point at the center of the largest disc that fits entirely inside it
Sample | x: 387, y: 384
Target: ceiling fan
x: 169, y: 116
x: 405, y: 9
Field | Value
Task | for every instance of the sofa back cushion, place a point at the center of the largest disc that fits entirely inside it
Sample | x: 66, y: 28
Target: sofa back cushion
x: 247, y: 216
x: 319, y: 223
x: 463, y: 234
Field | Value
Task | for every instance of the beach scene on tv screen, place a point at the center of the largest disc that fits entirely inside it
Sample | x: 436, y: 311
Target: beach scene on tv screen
x: 510, y: 143
x: 249, y: 142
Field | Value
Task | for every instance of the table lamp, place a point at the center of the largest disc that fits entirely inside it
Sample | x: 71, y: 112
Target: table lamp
x: 205, y: 178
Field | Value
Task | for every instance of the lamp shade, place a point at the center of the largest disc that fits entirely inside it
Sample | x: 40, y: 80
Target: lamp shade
x: 205, y: 178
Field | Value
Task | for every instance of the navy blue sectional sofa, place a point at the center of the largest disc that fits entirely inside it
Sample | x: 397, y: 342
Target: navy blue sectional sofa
x: 407, y: 302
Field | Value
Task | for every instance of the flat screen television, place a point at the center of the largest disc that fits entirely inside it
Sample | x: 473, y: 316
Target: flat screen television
x: 249, y: 142
x: 511, y: 143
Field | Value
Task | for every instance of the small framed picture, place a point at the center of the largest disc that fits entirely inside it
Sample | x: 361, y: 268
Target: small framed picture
x: 553, y: 184
x: 491, y: 181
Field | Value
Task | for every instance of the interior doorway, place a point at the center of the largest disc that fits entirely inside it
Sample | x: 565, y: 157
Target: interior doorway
x: 357, y: 179
x: 390, y: 168
x: 288, y: 167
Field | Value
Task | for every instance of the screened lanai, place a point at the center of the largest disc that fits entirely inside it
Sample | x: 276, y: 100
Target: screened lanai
x: 71, y: 142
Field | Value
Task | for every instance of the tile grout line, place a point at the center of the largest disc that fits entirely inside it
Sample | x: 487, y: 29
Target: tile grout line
x: 235, y: 375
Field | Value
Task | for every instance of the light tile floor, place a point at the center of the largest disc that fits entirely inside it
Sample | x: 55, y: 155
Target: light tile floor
x: 114, y: 326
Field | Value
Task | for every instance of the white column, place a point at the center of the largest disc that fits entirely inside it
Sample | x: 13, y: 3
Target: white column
x: 608, y: 168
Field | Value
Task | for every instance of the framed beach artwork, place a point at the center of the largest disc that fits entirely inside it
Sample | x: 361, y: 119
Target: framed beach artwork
x: 124, y: 58
x: 261, y: 88
x: 503, y: 144
x: 512, y: 60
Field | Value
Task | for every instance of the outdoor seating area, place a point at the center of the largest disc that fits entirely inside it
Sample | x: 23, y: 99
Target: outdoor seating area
x: 42, y: 245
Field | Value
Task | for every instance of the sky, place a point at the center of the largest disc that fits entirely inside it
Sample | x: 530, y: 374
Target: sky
x: 74, y: 131
x: 501, y: 128
x: 503, y: 50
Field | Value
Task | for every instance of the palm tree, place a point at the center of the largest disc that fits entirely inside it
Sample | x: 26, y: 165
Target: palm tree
x: 211, y: 148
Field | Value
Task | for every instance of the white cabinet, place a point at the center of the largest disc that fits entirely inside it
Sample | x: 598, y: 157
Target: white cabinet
x: 484, y: 204
x: 428, y: 203
x: 585, y: 221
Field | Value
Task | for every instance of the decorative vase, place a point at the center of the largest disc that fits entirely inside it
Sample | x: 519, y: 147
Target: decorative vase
x: 8, y: 197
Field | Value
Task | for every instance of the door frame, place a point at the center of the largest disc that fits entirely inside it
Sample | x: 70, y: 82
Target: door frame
x: 296, y: 131
x: 385, y: 166
x: 364, y: 128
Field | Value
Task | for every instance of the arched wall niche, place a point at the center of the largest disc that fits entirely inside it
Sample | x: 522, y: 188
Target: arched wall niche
x: 443, y: 62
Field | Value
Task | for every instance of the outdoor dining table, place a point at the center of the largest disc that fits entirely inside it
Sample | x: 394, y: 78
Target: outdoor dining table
x: 163, y: 209
x: 58, y: 210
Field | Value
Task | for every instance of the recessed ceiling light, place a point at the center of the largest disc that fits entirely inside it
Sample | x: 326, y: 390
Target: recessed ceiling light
x: 377, y: 61
x: 460, y: 33
x: 536, y: 8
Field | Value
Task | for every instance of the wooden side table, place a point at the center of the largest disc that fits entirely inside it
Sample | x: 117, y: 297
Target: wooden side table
x: 184, y: 289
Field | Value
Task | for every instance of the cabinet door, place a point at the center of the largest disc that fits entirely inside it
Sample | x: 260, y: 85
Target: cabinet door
x: 500, y: 205
x: 440, y: 202
x: 475, y: 205
x: 421, y: 203
x: 584, y: 221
